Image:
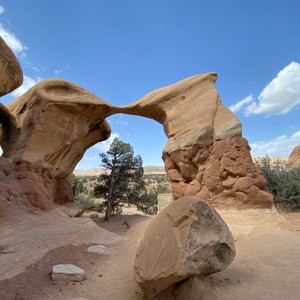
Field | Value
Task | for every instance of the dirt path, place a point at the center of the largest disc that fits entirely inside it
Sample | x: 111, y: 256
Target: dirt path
x: 266, y: 267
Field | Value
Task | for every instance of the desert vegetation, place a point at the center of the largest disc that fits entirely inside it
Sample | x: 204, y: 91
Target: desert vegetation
x: 122, y: 182
x: 283, y: 181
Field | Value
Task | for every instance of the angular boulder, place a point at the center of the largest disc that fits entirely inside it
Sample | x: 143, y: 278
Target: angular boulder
x: 186, y: 239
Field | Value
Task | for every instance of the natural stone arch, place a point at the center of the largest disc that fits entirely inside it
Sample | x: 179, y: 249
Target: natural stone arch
x: 55, y: 122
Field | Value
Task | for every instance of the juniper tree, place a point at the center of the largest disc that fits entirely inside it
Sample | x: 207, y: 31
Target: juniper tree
x: 123, y: 180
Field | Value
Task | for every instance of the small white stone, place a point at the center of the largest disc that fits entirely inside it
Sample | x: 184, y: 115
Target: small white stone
x: 67, y: 272
x: 98, y: 249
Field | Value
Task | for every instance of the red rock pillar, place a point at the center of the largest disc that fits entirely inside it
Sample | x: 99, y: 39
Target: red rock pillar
x: 222, y: 173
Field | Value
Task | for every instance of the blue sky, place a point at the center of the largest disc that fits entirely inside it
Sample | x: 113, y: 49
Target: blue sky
x: 121, y: 50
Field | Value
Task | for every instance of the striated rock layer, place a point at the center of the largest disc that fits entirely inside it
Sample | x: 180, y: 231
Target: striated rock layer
x: 186, y: 239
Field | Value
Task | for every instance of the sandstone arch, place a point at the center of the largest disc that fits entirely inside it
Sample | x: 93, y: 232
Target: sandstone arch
x: 46, y: 131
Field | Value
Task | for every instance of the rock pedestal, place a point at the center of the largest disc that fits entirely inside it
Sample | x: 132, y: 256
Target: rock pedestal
x: 221, y: 173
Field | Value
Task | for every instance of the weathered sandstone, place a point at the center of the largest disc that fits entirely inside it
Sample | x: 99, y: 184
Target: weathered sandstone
x: 45, y: 134
x: 294, y: 158
x: 186, y: 239
x: 205, y: 154
x: 11, y: 76
x: 46, y: 131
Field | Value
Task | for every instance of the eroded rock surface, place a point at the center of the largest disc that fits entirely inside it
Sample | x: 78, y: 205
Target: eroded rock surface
x: 11, y: 75
x: 294, y: 158
x: 45, y: 132
x: 205, y: 154
x: 186, y: 239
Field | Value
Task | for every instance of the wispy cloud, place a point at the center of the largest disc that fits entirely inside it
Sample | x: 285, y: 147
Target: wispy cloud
x: 27, y: 84
x: 2, y: 10
x: 90, y: 158
x: 277, y: 147
x: 119, y: 119
x: 11, y: 40
x: 241, y: 104
x: 104, y: 146
x: 19, y: 49
x: 61, y: 70
x: 280, y: 96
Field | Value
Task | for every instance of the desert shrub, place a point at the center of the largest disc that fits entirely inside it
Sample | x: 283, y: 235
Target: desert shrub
x: 162, y: 189
x: 284, y: 182
x: 75, y: 181
x: 95, y: 206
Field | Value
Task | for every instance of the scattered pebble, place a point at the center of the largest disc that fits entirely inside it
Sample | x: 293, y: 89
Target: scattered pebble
x: 98, y: 249
x: 67, y: 272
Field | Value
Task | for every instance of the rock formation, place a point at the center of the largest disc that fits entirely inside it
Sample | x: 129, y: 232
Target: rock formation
x: 294, y: 158
x: 186, y: 239
x: 205, y: 154
x: 11, y: 76
x: 45, y: 132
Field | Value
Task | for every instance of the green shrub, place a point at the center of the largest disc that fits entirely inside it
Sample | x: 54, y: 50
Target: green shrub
x: 284, y: 182
x: 95, y: 206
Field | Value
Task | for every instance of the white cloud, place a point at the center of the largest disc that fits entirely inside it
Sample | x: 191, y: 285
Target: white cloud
x: 280, y: 96
x: 17, y: 47
x: 104, y: 146
x: 61, y: 70
x: 11, y: 40
x: 241, y: 104
x: 27, y: 84
x: 2, y: 10
x: 90, y: 158
x: 278, y: 147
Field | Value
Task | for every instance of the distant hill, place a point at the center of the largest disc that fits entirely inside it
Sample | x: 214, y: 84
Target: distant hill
x: 97, y: 171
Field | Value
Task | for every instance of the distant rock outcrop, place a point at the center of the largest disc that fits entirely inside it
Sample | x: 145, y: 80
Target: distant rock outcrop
x: 294, y: 158
x: 185, y: 240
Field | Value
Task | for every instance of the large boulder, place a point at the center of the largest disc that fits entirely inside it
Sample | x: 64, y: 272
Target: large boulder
x: 11, y: 75
x: 186, y: 239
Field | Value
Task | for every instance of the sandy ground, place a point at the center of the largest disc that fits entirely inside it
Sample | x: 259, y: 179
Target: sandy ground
x: 267, y: 266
